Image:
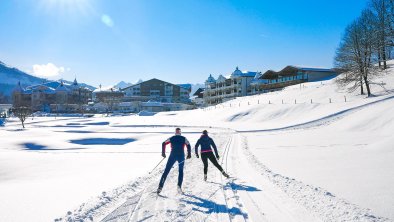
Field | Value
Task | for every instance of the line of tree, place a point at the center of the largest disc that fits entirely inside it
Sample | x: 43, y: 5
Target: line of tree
x: 366, y: 46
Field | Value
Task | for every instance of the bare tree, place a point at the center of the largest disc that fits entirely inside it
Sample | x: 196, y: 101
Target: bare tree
x: 22, y: 113
x: 382, y: 11
x: 391, y: 23
x: 355, y: 53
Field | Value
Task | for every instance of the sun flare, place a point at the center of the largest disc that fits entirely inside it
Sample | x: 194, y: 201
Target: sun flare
x: 67, y: 7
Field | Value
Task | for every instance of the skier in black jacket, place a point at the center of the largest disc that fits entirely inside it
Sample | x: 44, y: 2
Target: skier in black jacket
x: 206, y: 153
x: 177, y: 154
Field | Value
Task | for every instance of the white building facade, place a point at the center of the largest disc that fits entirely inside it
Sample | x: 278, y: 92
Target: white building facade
x: 224, y: 89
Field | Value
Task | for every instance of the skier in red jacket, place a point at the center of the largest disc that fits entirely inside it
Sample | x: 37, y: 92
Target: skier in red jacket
x: 177, y: 154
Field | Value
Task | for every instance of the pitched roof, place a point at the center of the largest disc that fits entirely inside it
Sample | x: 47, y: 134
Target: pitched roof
x: 199, y: 90
x: 291, y: 71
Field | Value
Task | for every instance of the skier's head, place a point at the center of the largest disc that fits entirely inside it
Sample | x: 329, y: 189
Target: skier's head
x: 178, y: 131
x: 205, y: 132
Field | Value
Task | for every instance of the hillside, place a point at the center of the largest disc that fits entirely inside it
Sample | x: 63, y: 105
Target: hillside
x: 9, y: 78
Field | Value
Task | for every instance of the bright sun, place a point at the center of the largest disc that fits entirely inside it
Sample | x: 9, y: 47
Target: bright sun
x: 67, y: 7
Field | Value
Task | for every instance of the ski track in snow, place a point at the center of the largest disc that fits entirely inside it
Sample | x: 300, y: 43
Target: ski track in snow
x: 317, y: 200
x: 274, y: 198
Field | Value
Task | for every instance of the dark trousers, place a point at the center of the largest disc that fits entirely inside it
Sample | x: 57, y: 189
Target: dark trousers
x: 211, y: 157
x: 171, y: 161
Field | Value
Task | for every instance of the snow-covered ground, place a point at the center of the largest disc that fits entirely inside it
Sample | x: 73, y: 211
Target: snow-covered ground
x: 301, y: 160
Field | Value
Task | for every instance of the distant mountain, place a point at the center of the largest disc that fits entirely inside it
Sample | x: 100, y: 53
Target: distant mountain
x: 10, y: 76
x: 122, y: 85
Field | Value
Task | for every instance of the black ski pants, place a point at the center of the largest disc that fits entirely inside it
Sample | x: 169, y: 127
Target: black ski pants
x: 211, y: 157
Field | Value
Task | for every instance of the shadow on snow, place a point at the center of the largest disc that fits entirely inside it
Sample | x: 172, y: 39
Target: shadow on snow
x: 234, y: 186
x: 208, y: 206
x: 38, y: 147
x: 102, y: 141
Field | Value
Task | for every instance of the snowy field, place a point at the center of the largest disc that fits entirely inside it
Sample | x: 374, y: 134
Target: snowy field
x: 299, y: 160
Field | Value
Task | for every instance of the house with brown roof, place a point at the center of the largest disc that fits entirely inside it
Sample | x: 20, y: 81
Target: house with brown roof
x: 157, y: 90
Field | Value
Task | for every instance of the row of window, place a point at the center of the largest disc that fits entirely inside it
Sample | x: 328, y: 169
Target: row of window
x: 289, y: 78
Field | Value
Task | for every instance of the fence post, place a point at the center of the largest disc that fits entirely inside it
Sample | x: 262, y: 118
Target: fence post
x: 258, y: 101
x: 311, y: 101
x: 295, y: 101
x: 282, y: 101
x: 269, y: 101
x: 330, y: 100
x: 345, y: 98
x: 248, y: 103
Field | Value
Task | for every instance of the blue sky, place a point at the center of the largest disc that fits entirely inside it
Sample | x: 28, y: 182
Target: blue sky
x: 179, y: 41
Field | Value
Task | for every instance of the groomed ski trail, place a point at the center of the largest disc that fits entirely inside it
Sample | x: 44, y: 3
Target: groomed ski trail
x: 212, y: 200
x: 254, y: 193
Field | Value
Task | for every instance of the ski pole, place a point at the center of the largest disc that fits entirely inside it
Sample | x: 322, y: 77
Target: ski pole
x: 156, y: 166
x: 161, y: 161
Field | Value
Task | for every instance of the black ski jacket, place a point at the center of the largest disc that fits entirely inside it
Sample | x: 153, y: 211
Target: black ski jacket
x: 206, y: 143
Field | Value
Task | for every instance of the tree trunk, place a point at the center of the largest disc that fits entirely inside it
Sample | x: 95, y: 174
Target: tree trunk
x: 367, y: 86
x: 361, y: 85
x: 384, y: 56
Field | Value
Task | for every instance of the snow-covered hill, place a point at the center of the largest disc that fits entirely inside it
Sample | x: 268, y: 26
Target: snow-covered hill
x: 296, y: 161
x: 9, y: 78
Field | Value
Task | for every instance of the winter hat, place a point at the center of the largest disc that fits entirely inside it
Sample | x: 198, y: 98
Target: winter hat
x: 205, y: 132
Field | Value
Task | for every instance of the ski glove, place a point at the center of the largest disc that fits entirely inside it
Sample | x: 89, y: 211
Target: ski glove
x: 197, y: 156
x: 189, y: 156
x: 217, y: 156
x: 163, y: 155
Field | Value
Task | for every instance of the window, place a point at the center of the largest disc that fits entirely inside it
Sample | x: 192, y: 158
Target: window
x: 154, y: 93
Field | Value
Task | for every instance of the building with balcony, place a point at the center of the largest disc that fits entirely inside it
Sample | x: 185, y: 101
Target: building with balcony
x: 158, y: 90
x: 223, y: 89
x: 290, y: 75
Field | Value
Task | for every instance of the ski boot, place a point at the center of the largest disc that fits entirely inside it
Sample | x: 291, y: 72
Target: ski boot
x: 225, y: 174
x: 205, y: 177
x: 179, y: 189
